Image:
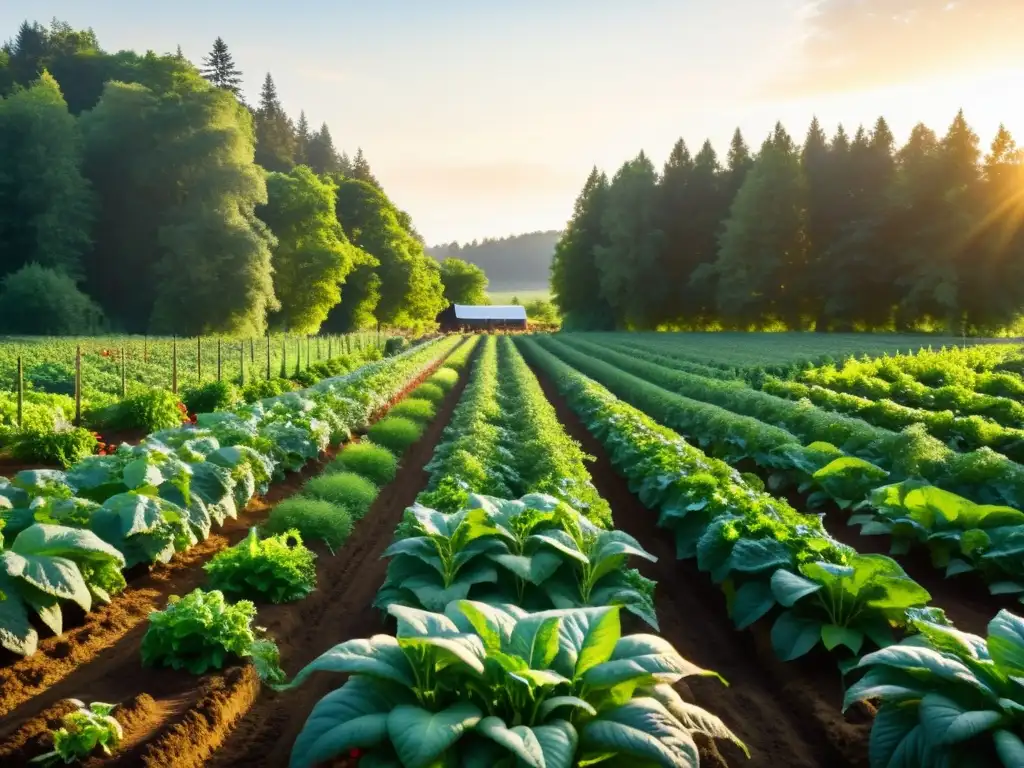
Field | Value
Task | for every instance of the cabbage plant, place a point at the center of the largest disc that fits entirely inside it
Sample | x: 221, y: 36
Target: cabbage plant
x: 483, y: 685
x: 535, y: 552
x: 946, y: 697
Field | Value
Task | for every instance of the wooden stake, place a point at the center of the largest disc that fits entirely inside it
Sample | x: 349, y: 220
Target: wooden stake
x: 21, y: 392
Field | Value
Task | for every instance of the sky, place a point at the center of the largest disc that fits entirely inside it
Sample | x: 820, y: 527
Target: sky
x: 484, y: 117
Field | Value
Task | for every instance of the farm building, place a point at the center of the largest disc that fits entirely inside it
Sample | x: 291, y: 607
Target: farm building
x: 469, y: 317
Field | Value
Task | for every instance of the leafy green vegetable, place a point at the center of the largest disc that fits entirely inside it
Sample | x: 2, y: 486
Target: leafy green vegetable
x: 82, y: 731
x: 202, y: 631
x: 278, y: 568
x: 482, y: 684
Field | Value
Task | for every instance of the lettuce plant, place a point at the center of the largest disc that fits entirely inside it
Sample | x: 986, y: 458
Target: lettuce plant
x: 278, y: 568
x: 82, y: 731
x: 42, y: 566
x: 961, y: 536
x: 946, y: 697
x: 841, y: 604
x: 484, y: 685
x: 202, y: 631
x: 535, y: 552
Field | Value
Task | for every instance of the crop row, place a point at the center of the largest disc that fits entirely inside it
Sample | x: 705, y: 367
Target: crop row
x: 481, y: 670
x: 961, y: 535
x: 946, y: 697
x: 982, y: 475
x: 74, y: 532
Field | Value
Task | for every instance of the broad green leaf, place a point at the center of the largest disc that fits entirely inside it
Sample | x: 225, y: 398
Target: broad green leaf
x: 599, y: 634
x: 493, y: 625
x: 561, y: 541
x: 55, y: 576
x: 413, y: 622
x: 380, y: 656
x: 536, y: 639
x: 882, y: 682
x: 650, y: 658
x: 558, y: 741
x: 468, y: 649
x: 519, y: 740
x: 946, y: 722
x: 1009, y: 747
x: 16, y: 631
x: 353, y: 716
x: 419, y: 736
x: 141, y: 473
x: 892, y: 726
x: 535, y: 569
x: 789, y: 588
x: 757, y: 555
x: 1006, y: 641
x: 753, y: 600
x: 555, y: 702
x: 794, y: 636
x: 920, y: 660
x: 73, y: 543
x: 833, y: 636
x: 693, y: 717
x: 642, y: 730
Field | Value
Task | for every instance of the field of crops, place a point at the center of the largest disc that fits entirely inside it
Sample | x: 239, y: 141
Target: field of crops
x: 550, y: 550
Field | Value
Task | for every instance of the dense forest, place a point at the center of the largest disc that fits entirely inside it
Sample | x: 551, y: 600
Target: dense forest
x: 139, y: 193
x: 514, y: 263
x: 840, y: 233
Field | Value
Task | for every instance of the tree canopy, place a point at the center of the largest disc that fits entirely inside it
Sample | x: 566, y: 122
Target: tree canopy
x: 464, y: 283
x: 147, y: 186
x: 836, y: 233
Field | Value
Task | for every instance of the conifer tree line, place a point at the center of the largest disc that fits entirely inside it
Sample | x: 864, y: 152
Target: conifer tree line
x: 138, y: 193
x: 834, y: 233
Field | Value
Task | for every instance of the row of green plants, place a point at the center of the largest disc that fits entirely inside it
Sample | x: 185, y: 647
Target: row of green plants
x: 481, y: 670
x: 998, y: 396
x: 505, y: 440
x: 70, y: 534
x: 983, y: 475
x: 47, y: 434
x: 961, y: 433
x: 945, y: 697
x: 961, y: 535
x: 210, y: 626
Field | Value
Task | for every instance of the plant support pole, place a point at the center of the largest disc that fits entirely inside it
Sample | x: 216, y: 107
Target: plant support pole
x: 78, y: 385
x: 21, y: 392
x: 174, y: 365
x: 241, y: 363
x: 218, y: 360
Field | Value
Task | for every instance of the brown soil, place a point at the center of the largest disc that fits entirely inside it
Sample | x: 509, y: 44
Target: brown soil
x: 99, y: 660
x: 787, y: 714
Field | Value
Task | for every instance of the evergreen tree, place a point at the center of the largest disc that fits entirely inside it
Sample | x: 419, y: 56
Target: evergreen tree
x: 219, y: 68
x: 628, y: 259
x: 302, y: 139
x: 179, y: 55
x: 764, y: 246
x: 321, y: 155
x: 360, y: 169
x: 575, y: 281
x: 28, y: 52
x: 345, y: 165
x: 675, y: 221
x: 275, y: 135
x: 824, y: 196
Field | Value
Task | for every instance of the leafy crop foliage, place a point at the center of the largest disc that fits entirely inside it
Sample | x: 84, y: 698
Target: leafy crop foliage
x: 946, y: 697
x: 151, y: 410
x: 345, y: 489
x: 44, y: 565
x: 202, y: 631
x: 395, y: 433
x: 414, y: 409
x: 316, y: 520
x: 428, y: 391
x: 373, y: 462
x: 445, y: 378
x: 484, y: 685
x: 82, y: 731
x: 211, y: 396
x: 395, y: 344
x: 534, y: 552
x: 276, y: 568
x: 63, y: 448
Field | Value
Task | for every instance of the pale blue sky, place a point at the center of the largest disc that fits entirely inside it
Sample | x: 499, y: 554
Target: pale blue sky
x: 482, y: 118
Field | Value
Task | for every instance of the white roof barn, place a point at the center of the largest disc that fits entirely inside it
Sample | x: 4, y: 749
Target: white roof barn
x: 490, y: 312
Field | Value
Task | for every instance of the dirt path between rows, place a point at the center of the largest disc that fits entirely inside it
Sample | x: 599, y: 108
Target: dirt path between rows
x: 99, y: 660
x: 340, y: 610
x: 787, y: 714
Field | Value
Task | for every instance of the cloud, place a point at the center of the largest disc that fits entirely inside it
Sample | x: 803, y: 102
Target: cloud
x: 854, y: 44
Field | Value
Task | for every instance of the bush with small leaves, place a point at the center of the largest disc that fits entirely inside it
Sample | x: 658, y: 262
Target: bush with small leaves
x: 314, y: 519
x: 395, y: 433
x: 278, y: 568
x: 416, y: 409
x: 346, y: 489
x: 428, y: 391
x: 373, y: 462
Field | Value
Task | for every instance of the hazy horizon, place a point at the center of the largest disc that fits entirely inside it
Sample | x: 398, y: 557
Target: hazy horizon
x: 485, y: 122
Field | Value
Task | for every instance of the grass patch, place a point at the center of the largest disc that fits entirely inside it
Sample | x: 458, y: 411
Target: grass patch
x: 428, y: 391
x: 445, y: 378
x: 376, y: 463
x: 346, y: 489
x: 415, y: 409
x: 395, y: 433
x: 314, y: 519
